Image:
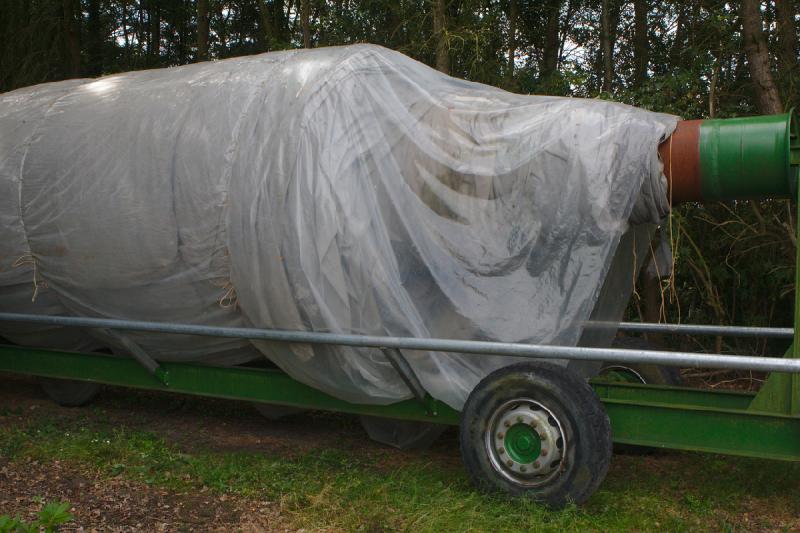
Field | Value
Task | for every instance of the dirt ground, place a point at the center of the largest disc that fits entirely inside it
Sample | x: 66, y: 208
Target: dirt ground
x: 120, y: 505
x: 193, y: 424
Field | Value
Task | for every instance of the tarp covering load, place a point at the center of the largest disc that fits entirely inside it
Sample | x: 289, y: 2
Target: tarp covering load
x: 349, y: 190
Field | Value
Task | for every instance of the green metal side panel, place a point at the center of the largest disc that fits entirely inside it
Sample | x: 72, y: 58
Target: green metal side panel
x: 665, y: 417
x: 661, y: 394
x: 698, y: 419
x: 781, y: 392
x: 258, y: 385
x: 729, y: 432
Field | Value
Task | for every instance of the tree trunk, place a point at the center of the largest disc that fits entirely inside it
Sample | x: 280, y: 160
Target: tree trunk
x: 222, y: 29
x: 676, y: 50
x: 755, y: 46
x: 202, y: 30
x: 72, y: 36
x: 305, y: 9
x: 572, y: 7
x: 125, y: 29
x: 552, y: 46
x: 712, y: 91
x: 641, y: 42
x: 94, y: 40
x: 606, y: 46
x: 787, y: 35
x: 141, y: 34
x: 181, y: 30
x: 513, y: 15
x: 265, y: 18
x: 155, y: 31
x: 440, y: 34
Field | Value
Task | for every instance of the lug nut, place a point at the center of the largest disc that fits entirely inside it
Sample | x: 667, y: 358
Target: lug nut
x: 501, y: 451
x: 544, y: 453
x: 500, y: 435
x: 519, y: 419
x: 510, y: 462
x: 542, y: 436
x: 536, y: 464
x: 507, y: 423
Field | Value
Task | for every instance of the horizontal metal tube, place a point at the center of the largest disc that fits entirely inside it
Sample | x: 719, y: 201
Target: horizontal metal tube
x: 535, y: 351
x: 698, y: 329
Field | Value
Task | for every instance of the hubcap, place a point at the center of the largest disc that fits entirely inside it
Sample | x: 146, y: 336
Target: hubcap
x: 525, y: 442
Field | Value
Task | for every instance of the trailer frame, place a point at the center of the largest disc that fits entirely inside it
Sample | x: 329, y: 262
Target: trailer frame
x: 764, y: 424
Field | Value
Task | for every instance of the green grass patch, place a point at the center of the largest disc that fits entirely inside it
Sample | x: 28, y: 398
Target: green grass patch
x: 333, y: 488
x: 49, y: 519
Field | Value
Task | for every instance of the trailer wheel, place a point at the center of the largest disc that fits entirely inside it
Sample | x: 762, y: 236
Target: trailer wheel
x: 536, y: 430
x: 68, y: 392
x: 402, y: 434
x: 640, y: 373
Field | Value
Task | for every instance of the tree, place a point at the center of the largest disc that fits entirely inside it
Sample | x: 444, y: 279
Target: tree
x: 787, y: 35
x: 552, y: 44
x: 513, y: 15
x: 640, y: 41
x: 154, y: 17
x: 202, y: 30
x: 305, y: 14
x: 72, y: 43
x: 94, y: 39
x: 608, y: 24
x: 440, y: 34
x: 755, y: 46
x: 265, y: 18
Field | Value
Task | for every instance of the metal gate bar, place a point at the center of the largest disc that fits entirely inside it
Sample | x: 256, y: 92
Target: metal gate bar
x: 534, y: 351
x: 700, y: 329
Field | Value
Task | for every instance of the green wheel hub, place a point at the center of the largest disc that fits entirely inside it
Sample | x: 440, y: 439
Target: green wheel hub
x: 523, y: 443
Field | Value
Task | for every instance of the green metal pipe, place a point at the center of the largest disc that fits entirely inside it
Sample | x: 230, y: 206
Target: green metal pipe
x: 749, y: 157
x: 733, y: 159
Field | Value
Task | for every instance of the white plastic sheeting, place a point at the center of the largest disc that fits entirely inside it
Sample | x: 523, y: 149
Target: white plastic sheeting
x: 346, y: 189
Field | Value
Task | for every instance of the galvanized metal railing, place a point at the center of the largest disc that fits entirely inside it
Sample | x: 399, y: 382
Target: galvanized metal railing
x: 534, y: 351
x: 699, y: 329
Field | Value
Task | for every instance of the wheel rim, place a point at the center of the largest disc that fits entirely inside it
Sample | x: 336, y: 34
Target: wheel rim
x: 622, y: 374
x: 525, y: 442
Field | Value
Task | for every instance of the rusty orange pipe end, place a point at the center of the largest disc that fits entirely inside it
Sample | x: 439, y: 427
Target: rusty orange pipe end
x: 732, y: 159
x: 681, y: 156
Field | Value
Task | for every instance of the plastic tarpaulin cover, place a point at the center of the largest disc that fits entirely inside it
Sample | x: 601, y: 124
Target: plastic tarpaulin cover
x: 347, y: 189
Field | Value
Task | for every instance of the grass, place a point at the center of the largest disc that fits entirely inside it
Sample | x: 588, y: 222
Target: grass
x: 52, y: 515
x: 343, y: 489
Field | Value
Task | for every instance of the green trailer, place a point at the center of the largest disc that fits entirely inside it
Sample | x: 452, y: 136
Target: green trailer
x: 532, y: 429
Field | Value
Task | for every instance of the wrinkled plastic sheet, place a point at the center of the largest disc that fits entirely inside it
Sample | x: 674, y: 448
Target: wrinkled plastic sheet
x: 349, y: 190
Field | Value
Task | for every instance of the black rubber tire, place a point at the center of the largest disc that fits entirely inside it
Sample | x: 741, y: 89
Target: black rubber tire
x: 571, y: 400
x: 647, y: 374
x: 276, y: 412
x: 650, y: 374
x: 402, y: 434
x: 70, y: 393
